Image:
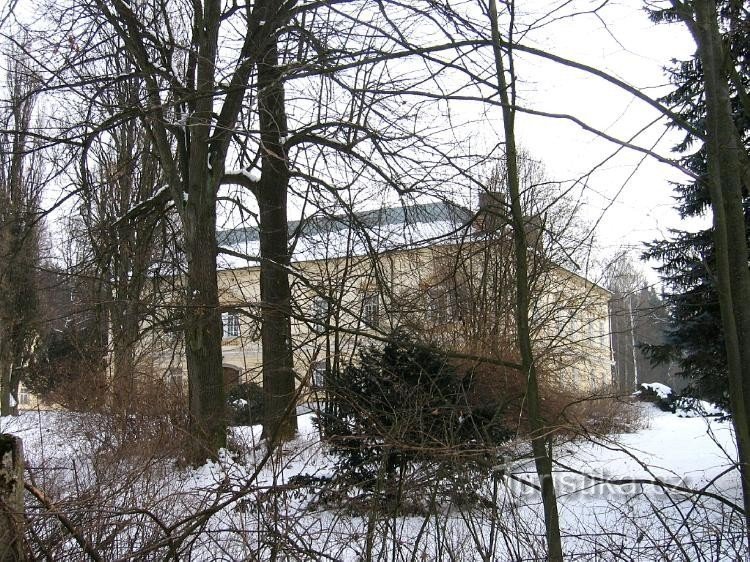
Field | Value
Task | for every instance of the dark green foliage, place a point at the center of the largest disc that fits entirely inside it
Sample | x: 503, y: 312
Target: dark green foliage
x: 695, y: 335
x: 403, y: 403
x: 666, y: 403
x: 245, y: 404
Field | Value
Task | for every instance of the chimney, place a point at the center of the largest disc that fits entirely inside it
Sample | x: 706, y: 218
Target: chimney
x: 493, y: 212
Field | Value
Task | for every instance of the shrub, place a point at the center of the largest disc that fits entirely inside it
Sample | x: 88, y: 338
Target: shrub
x: 68, y: 368
x: 245, y: 404
x: 658, y: 393
x: 403, y: 403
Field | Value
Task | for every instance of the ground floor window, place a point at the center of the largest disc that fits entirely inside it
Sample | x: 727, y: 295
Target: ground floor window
x: 319, y: 374
x: 231, y: 324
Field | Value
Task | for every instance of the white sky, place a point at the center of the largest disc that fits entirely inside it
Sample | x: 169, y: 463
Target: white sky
x: 624, y: 42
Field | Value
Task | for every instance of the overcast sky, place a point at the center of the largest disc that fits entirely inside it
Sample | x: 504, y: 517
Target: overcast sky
x: 624, y: 42
x: 621, y: 40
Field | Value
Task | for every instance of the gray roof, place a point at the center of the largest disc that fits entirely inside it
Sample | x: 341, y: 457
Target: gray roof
x: 407, y: 215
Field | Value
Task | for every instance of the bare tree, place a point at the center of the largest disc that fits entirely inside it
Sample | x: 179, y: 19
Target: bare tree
x: 193, y: 93
x: 123, y: 256
x: 540, y: 443
x: 624, y: 280
x: 20, y: 192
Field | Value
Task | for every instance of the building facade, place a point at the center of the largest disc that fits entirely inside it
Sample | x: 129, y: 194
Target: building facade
x: 436, y: 270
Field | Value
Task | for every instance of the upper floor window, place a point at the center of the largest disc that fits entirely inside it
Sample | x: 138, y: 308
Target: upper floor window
x: 444, y: 303
x: 176, y: 377
x: 320, y: 309
x: 230, y: 322
x: 371, y: 309
x: 603, y: 335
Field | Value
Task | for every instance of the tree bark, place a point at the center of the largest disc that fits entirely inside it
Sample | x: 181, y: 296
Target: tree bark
x: 11, y: 499
x: 19, y: 249
x: 192, y: 152
x: 726, y: 155
x: 202, y: 316
x: 279, y: 420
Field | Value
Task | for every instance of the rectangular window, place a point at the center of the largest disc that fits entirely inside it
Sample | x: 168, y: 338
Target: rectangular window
x: 24, y: 397
x: 176, y: 377
x: 319, y: 374
x: 319, y: 314
x: 443, y: 304
x: 231, y: 324
x: 437, y: 305
x: 370, y: 309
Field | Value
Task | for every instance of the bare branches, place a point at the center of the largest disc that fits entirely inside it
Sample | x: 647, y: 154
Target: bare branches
x: 76, y: 533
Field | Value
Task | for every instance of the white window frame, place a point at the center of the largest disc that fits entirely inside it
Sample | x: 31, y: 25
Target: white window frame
x: 443, y: 304
x: 24, y: 397
x: 176, y: 377
x: 320, y: 311
x: 438, y: 305
x: 371, y: 308
x: 230, y: 325
x: 318, y: 374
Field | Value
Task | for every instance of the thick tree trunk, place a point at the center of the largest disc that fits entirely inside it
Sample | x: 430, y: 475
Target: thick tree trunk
x: 11, y: 499
x: 202, y: 317
x: 725, y: 157
x: 280, y: 421
x: 125, y: 316
x: 540, y: 444
x: 6, y: 365
x: 123, y: 364
x: 18, y: 366
x: 203, y: 335
x: 20, y: 310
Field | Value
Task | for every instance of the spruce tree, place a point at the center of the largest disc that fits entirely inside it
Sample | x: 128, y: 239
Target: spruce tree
x: 695, y: 336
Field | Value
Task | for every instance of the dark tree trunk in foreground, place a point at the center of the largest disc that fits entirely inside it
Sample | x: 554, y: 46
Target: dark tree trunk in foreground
x: 728, y: 174
x: 540, y: 442
x: 20, y: 191
x: 193, y: 161
x: 11, y: 499
x: 202, y: 318
x: 279, y: 419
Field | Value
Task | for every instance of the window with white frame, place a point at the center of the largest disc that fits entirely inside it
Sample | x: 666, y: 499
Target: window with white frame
x: 575, y: 324
x: 437, y: 305
x: 24, y: 397
x: 319, y: 374
x: 320, y: 309
x: 442, y: 304
x: 230, y: 322
x: 370, y: 309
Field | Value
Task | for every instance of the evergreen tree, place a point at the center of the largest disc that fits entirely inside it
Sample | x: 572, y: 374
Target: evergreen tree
x: 695, y: 335
x: 404, y: 402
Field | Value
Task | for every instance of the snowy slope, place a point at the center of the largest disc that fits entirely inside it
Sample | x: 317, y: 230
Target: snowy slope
x: 249, y: 490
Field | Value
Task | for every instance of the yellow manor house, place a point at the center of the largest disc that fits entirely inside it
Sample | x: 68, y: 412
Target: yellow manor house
x: 437, y: 269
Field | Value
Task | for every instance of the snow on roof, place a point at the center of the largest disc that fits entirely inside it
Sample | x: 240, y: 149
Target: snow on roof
x: 326, y: 237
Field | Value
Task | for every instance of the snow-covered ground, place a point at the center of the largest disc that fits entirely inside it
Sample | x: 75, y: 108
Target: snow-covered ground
x: 248, y: 505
